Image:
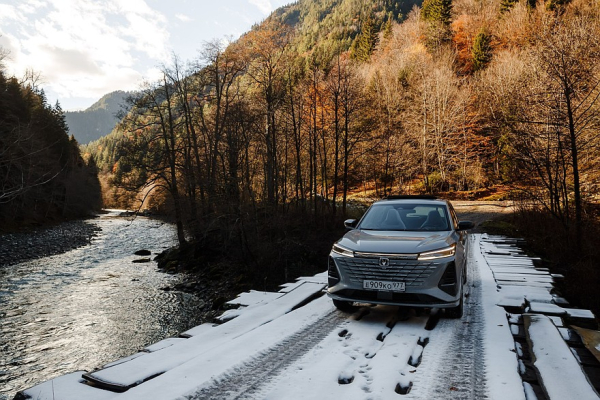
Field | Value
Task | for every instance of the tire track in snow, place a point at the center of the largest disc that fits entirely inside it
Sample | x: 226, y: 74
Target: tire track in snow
x: 453, y: 365
x: 248, y: 380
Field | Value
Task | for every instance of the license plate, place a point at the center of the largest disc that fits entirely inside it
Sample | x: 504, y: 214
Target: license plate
x: 385, y: 286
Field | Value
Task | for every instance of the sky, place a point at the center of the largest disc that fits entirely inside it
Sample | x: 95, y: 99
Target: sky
x: 84, y: 49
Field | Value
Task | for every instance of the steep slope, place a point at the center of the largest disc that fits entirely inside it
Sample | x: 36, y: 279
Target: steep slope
x: 98, y: 120
x: 331, y: 24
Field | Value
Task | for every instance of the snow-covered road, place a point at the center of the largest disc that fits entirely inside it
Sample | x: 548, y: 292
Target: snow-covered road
x: 295, y: 345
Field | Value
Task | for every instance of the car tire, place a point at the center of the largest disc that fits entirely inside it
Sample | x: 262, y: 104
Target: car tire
x: 455, y: 312
x: 343, y: 305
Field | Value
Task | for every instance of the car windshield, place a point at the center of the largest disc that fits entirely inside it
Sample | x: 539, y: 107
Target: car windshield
x: 406, y: 217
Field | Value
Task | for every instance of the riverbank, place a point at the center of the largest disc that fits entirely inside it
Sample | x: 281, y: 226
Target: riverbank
x: 88, y: 306
x: 46, y: 241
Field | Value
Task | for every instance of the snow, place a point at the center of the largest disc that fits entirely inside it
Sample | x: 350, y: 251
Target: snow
x: 529, y: 393
x: 197, y: 330
x: 222, y: 358
x: 125, y: 359
x: 140, y: 369
x: 558, y: 322
x: 254, y: 297
x: 503, y: 372
x: 560, y: 372
x: 269, y: 349
x: 515, y: 302
x: 546, y: 308
x: 577, y: 313
x: 375, y: 367
x: 67, y: 387
x: 519, y: 348
x: 162, y: 344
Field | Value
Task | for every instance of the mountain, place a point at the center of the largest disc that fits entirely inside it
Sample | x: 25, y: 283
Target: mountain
x: 328, y: 24
x: 98, y: 120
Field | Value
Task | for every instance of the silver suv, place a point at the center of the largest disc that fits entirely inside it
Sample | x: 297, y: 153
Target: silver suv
x: 405, y: 250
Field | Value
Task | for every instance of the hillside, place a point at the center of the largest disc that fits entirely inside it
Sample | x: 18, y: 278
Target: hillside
x: 44, y: 178
x: 98, y: 120
x: 331, y: 25
x: 331, y: 97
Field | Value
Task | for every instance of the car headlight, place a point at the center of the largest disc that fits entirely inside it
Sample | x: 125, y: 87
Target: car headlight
x: 441, y: 253
x: 342, y: 251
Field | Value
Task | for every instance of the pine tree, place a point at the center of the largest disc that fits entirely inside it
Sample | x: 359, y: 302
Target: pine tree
x: 437, y: 11
x: 365, y: 43
x: 387, y: 30
x: 482, y: 50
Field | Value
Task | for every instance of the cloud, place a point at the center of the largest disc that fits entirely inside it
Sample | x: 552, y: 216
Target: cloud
x: 84, y: 47
x: 263, y: 5
x: 183, y: 18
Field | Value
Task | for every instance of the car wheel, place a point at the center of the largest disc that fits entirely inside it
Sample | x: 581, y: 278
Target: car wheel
x: 455, y: 312
x: 343, y: 305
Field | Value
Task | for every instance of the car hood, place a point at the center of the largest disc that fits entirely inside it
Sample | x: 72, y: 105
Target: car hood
x: 395, y: 242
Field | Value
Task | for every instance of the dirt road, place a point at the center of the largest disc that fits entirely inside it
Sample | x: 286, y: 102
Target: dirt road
x: 481, y: 211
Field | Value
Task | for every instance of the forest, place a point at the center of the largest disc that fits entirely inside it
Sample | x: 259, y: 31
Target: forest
x: 263, y: 139
x: 98, y: 120
x: 44, y: 178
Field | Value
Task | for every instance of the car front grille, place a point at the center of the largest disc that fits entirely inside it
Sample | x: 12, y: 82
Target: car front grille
x: 412, y: 272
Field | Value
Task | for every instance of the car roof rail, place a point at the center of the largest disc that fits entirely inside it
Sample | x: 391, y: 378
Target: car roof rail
x: 412, y: 196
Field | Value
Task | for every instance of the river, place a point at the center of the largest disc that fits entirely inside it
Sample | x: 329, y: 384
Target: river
x: 90, y: 306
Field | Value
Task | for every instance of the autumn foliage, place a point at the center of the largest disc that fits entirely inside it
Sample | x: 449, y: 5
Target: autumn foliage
x: 326, y: 100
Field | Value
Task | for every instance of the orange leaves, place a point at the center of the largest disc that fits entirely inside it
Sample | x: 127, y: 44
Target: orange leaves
x: 464, y: 35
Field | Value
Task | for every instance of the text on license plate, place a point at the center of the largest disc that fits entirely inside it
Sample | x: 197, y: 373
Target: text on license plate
x: 385, y: 285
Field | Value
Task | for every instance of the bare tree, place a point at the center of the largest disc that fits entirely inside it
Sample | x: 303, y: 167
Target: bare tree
x: 151, y: 155
x: 267, y: 49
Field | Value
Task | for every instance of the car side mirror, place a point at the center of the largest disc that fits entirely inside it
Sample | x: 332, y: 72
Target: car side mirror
x: 464, y: 225
x: 350, y: 223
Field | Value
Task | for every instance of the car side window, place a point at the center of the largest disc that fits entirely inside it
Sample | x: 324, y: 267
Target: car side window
x: 454, y: 217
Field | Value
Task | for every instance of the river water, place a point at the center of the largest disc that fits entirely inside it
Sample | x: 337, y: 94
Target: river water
x: 89, y: 306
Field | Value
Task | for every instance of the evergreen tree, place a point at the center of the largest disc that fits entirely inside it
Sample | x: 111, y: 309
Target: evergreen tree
x: 482, y: 50
x: 387, y: 30
x: 365, y: 43
x: 439, y: 11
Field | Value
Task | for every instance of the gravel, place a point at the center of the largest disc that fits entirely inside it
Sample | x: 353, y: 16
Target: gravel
x: 42, y: 242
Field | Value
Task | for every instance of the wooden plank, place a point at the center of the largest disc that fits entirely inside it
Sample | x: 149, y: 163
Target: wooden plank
x: 546, y: 308
x: 254, y: 297
x: 66, y: 387
x: 132, y: 373
x: 559, y: 372
x: 591, y: 340
x: 163, y: 344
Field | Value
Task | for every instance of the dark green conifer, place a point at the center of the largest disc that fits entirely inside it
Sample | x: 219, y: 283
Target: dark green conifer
x: 387, y: 30
x: 482, y: 50
x: 437, y: 11
x: 365, y: 43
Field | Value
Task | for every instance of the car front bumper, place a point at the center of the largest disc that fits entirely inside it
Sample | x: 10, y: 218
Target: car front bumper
x: 432, y: 283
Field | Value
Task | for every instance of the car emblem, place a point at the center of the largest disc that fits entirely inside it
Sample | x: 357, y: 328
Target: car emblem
x: 384, y: 262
